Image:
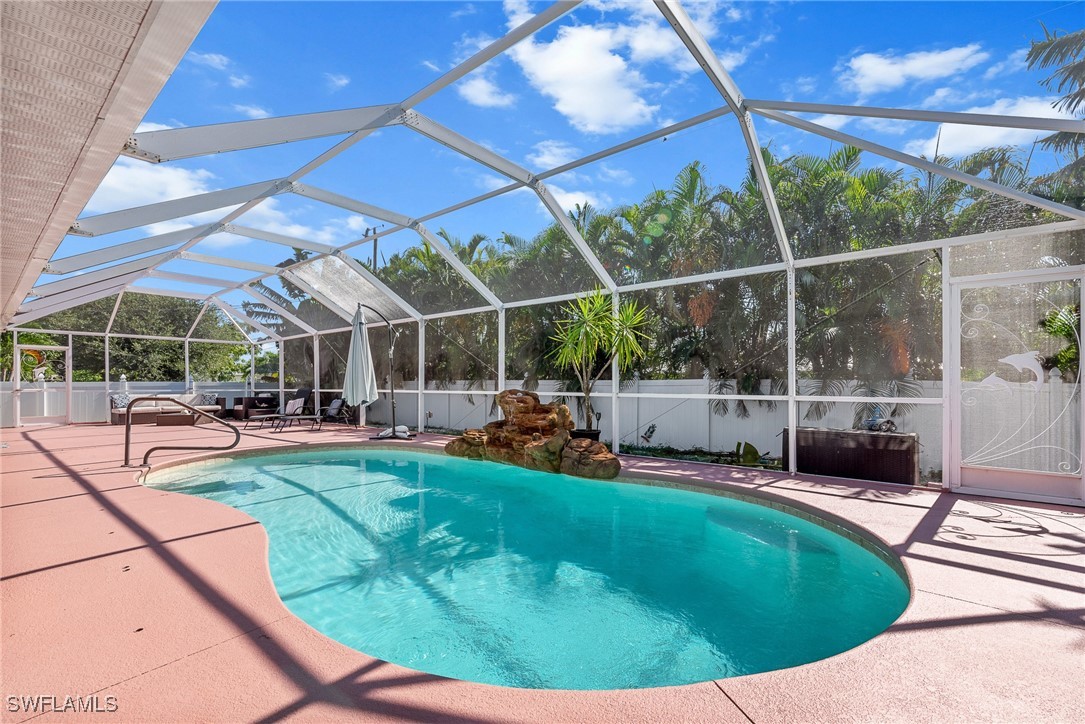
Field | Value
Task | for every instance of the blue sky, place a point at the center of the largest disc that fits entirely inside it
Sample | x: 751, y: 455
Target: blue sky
x: 605, y: 73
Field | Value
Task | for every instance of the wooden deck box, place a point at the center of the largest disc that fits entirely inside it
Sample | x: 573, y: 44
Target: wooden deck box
x: 888, y: 457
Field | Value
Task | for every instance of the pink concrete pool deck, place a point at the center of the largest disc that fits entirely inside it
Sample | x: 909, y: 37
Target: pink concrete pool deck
x: 163, y: 602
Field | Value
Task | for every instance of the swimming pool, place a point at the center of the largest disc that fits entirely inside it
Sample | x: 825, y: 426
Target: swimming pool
x: 506, y: 576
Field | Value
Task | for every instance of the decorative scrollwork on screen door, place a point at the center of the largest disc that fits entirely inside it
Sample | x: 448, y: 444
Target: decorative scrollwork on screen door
x: 1021, y: 411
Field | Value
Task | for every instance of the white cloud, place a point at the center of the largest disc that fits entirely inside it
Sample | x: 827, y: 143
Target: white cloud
x: 211, y: 60
x: 201, y: 219
x: 1014, y: 63
x: 431, y: 65
x: 569, y: 199
x: 223, y: 241
x: 269, y: 216
x: 887, y: 126
x: 960, y: 140
x: 806, y: 84
x: 591, y: 72
x: 732, y: 59
x: 131, y: 183
x: 550, y: 154
x: 479, y: 90
x: 651, y: 41
x: 634, y: 7
x: 517, y: 12
x: 610, y: 174
x: 239, y: 81
x: 135, y: 183
x: 870, y: 73
x: 252, y: 111
x: 468, y: 45
x: 151, y: 126
x: 480, y: 87
x: 490, y: 182
x: 468, y: 9
x: 941, y: 97
x: 590, y: 84
x: 336, y: 81
x: 830, y: 121
x: 944, y: 97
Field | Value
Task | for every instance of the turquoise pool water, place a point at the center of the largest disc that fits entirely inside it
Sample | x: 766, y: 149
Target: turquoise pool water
x: 505, y: 576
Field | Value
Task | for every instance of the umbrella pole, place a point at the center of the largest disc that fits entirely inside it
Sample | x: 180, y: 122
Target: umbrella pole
x: 391, y: 375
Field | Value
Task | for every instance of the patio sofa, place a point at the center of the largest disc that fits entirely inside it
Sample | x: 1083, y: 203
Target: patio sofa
x: 147, y: 412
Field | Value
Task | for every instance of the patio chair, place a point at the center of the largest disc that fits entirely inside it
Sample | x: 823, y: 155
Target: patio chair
x: 337, y: 411
x: 301, y: 395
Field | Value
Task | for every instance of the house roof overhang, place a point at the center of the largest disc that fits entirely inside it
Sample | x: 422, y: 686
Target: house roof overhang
x: 69, y: 108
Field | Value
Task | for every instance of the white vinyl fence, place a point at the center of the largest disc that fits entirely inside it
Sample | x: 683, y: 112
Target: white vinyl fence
x: 680, y: 420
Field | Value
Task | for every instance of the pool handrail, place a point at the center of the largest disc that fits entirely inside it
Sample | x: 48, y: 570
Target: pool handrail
x: 173, y: 401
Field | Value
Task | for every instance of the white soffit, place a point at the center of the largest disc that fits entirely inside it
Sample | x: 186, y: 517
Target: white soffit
x: 77, y: 77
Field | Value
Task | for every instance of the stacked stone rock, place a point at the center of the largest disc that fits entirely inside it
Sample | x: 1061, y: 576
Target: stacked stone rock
x: 536, y: 436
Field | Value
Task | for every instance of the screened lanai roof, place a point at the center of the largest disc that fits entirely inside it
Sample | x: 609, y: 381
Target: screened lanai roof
x: 325, y: 201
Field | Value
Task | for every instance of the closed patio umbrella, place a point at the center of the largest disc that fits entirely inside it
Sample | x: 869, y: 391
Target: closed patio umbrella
x: 360, y: 384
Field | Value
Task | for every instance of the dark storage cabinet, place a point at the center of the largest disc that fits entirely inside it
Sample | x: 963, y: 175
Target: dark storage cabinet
x: 888, y: 457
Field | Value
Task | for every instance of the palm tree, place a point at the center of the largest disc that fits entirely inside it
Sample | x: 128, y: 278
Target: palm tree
x: 1066, y: 54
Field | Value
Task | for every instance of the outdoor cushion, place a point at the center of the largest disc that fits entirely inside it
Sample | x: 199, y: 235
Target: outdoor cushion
x: 146, y: 410
x: 120, y: 399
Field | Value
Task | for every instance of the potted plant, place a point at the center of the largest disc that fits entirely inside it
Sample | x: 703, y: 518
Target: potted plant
x: 591, y: 337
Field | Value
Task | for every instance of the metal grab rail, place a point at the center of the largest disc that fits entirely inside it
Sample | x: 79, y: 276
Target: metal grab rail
x: 146, y: 457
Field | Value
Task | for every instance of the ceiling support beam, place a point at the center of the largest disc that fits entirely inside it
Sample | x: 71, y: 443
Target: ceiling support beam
x: 155, y: 292
x: 345, y: 202
x: 176, y: 143
x: 281, y: 239
x: 109, y: 272
x: 638, y: 141
x: 238, y: 314
x: 573, y: 233
x: 1021, y: 232
x: 196, y: 321
x: 907, y: 114
x: 175, y: 208
x: 399, y: 219
x: 191, y: 279
x: 465, y: 146
x: 77, y: 292
x: 442, y: 248
x: 702, y: 52
x: 225, y: 309
x: 277, y: 308
x: 70, y: 301
x: 926, y: 165
x: 232, y: 263
x: 715, y: 276
x: 90, y: 259
x: 476, y: 152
